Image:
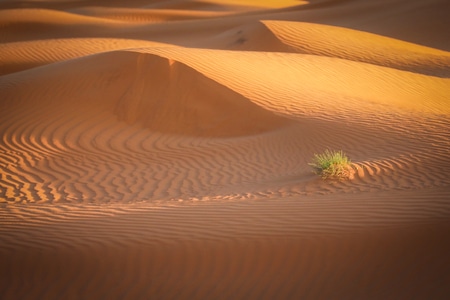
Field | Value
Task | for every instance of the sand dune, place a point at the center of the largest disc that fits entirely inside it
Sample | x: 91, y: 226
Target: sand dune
x: 19, y: 56
x: 359, y: 46
x: 416, y: 21
x: 160, y: 149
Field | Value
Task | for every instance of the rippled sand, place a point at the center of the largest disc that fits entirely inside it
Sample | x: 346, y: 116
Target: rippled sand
x: 160, y: 149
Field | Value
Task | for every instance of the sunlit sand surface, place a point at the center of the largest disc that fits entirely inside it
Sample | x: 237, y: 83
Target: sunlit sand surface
x: 160, y: 149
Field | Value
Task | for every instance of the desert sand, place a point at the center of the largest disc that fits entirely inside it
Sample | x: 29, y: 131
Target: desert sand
x: 160, y: 149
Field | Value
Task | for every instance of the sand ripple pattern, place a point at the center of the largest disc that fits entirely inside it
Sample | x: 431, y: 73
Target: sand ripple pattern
x: 236, y: 244
x: 160, y: 149
x: 132, y: 147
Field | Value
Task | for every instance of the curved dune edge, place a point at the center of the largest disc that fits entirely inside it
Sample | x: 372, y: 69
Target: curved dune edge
x: 179, y: 100
x: 234, y: 6
x: 14, y: 17
x: 252, y: 36
x: 318, y: 86
x: 416, y: 21
x: 355, y: 45
x: 20, y: 56
x: 333, y: 41
x: 51, y: 24
x: 184, y: 101
x: 138, y: 15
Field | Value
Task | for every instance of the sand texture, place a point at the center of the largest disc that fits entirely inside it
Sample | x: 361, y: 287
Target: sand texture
x: 159, y: 149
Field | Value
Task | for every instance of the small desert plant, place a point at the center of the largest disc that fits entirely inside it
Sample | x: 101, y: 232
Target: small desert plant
x: 332, y: 164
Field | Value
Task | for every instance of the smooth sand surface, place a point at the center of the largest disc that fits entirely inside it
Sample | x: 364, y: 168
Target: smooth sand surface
x: 160, y: 149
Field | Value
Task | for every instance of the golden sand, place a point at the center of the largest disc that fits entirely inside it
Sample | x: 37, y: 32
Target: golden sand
x: 160, y: 149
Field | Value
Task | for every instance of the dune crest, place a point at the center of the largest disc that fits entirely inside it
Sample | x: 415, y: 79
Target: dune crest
x: 253, y: 36
x: 183, y: 101
x: 157, y: 93
x: 20, y: 56
x: 323, y: 87
x: 360, y: 46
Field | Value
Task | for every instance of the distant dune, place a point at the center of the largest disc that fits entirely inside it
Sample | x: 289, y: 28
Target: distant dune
x: 160, y: 149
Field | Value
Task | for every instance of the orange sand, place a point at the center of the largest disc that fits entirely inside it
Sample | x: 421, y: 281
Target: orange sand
x: 160, y: 149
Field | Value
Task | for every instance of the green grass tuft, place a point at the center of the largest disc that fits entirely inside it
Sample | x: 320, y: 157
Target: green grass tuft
x: 332, y: 164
